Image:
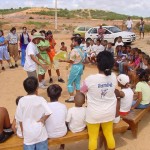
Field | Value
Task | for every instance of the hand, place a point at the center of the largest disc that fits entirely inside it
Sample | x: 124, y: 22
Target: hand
x: 42, y: 121
x: 45, y: 67
x: 61, y: 60
x: 44, y: 61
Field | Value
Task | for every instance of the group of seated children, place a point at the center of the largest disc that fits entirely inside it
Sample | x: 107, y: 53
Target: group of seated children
x: 91, y: 49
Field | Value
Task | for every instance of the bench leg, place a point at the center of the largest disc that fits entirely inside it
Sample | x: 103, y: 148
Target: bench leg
x: 134, y: 128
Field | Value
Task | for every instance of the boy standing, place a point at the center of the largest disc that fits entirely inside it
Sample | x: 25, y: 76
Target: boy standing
x: 32, y: 112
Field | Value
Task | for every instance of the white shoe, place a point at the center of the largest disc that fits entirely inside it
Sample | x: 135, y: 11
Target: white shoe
x: 42, y: 86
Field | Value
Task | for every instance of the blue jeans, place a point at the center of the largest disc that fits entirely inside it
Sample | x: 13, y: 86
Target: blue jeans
x: 38, y: 146
x: 140, y: 106
x: 121, y: 71
x: 23, y: 54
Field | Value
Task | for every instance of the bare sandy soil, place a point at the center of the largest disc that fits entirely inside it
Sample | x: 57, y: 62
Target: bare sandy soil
x: 11, y: 87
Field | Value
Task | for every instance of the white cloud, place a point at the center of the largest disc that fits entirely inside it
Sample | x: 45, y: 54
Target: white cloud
x: 129, y: 7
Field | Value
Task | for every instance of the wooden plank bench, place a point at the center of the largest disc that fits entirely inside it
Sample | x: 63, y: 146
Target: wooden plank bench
x: 15, y: 143
x: 133, y: 119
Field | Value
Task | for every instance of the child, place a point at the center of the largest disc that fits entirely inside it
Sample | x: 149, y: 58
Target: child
x: 119, y: 42
x: 110, y: 48
x: 32, y: 112
x: 55, y: 124
x: 99, y: 47
x: 83, y: 44
x: 101, y: 101
x: 93, y: 48
x: 15, y: 125
x: 63, y: 47
x: 5, y: 126
x: 126, y: 94
x: 76, y: 115
x: 142, y: 91
x: 87, y: 51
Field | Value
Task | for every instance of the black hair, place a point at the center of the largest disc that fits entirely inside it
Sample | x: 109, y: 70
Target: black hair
x: 149, y: 61
x: 62, y: 43
x: 17, y: 99
x: 120, y: 37
x: 2, y: 32
x: 144, y: 75
x: 78, y: 40
x: 30, y: 85
x: 98, y: 40
x: 33, y: 30
x: 49, y: 32
x: 105, y: 62
x: 12, y: 29
x: 54, y: 92
x: 24, y: 27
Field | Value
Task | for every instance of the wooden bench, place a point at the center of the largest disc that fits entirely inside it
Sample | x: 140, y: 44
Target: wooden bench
x: 15, y: 143
x: 133, y: 119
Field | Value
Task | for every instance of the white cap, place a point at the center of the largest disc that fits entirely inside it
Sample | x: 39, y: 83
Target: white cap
x: 123, y: 79
x: 37, y: 35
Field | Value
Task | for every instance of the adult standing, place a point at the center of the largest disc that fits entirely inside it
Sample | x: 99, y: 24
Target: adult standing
x: 51, y: 53
x: 101, y: 101
x: 24, y: 41
x: 32, y: 52
x: 76, y: 61
x: 101, y: 32
x: 129, y: 24
x: 141, y: 27
x: 12, y: 39
x: 4, y: 51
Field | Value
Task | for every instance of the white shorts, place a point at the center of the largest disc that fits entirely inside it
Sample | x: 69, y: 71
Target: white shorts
x: 4, y: 53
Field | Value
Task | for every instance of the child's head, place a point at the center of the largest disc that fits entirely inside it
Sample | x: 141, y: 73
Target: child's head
x: 105, y: 42
x: 103, y: 64
x: 31, y: 85
x: 123, y: 80
x: 1, y: 33
x: 79, y: 99
x: 87, y: 44
x: 17, y: 99
x: 98, y: 42
x: 124, y: 49
x: 119, y: 39
x: 128, y: 48
x: 83, y: 40
x: 54, y: 92
x: 92, y: 42
x: 62, y: 44
x: 43, y: 33
x: 77, y: 41
x: 109, y: 45
x: 144, y: 76
x: 146, y: 59
x: 33, y: 31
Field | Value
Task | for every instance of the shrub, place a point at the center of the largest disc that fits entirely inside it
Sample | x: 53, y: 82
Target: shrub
x: 31, y: 18
x: 37, y: 24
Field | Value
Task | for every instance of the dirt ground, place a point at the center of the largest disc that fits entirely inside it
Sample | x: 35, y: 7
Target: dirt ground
x: 11, y: 86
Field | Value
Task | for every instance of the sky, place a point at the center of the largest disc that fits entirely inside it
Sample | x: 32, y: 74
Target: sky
x: 129, y: 7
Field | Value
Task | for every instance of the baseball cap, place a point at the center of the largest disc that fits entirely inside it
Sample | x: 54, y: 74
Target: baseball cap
x: 123, y: 79
x: 37, y: 35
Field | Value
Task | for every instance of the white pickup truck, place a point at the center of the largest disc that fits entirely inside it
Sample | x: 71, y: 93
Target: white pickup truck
x: 111, y: 34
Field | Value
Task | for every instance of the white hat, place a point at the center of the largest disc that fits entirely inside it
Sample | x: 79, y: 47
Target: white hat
x: 123, y: 79
x: 37, y: 35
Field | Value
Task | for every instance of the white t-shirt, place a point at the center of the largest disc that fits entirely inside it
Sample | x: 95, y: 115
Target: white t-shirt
x: 30, y: 65
x: 30, y: 110
x: 99, y: 48
x: 76, y: 119
x: 118, y: 44
x: 129, y: 23
x: 101, y: 98
x: 56, y: 123
x: 87, y: 49
x: 93, y: 47
x: 126, y: 101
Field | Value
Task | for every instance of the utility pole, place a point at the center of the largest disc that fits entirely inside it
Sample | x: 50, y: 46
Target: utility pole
x: 55, y: 14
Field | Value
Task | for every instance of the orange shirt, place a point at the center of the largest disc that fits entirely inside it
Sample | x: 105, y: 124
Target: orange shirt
x: 52, y: 51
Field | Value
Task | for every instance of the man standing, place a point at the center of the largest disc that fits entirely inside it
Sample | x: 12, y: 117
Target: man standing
x: 141, y: 27
x: 129, y: 24
x: 32, y: 52
x: 101, y: 33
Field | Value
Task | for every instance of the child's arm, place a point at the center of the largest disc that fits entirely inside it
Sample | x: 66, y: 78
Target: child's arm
x: 117, y: 93
x: 43, y: 119
x: 43, y: 48
x: 67, y: 124
x: 13, y: 126
x: 139, y: 99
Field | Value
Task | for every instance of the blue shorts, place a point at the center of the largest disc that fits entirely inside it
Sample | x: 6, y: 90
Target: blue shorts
x: 140, y: 106
x: 38, y: 146
x: 4, y: 53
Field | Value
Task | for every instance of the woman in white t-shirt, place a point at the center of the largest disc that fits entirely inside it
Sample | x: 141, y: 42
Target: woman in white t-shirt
x: 101, y: 101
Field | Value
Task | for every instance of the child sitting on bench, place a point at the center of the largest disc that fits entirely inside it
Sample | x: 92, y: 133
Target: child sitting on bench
x: 76, y: 115
x: 5, y: 126
x: 15, y: 125
x: 142, y: 91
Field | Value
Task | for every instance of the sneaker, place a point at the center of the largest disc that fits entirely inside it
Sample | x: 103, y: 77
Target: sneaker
x: 61, y: 80
x: 16, y: 65
x: 3, y: 68
x: 11, y: 67
x: 4, y: 136
x: 50, y: 80
x: 69, y: 101
x: 42, y: 86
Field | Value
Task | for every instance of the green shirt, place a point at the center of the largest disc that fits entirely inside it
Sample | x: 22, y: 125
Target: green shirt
x: 145, y: 89
x: 43, y: 44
